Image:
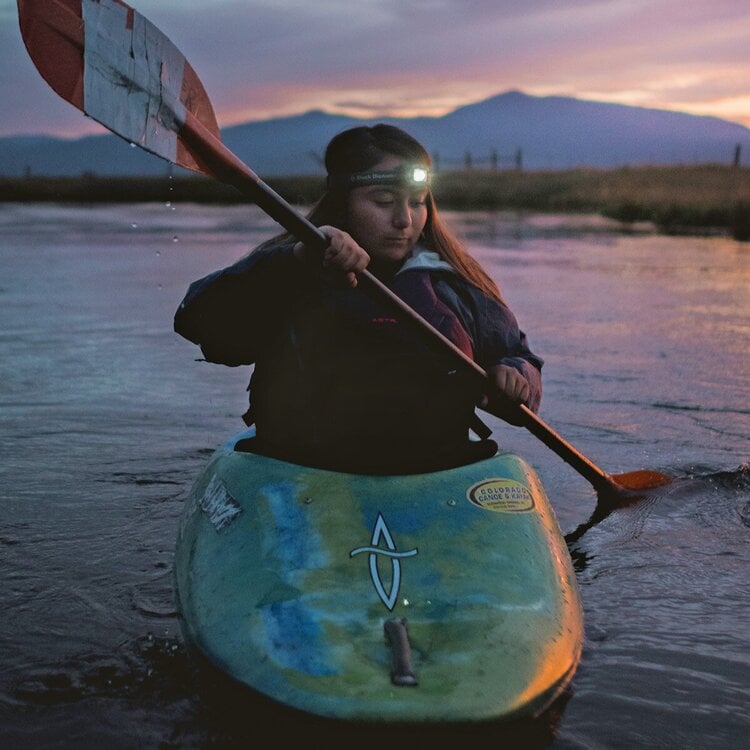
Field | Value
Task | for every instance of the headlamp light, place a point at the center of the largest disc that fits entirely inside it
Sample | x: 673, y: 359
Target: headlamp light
x: 412, y: 176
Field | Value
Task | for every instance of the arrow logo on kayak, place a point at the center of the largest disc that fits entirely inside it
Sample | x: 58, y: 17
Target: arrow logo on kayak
x: 381, y: 532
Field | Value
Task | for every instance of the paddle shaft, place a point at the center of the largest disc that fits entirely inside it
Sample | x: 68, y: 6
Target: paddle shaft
x: 176, y: 111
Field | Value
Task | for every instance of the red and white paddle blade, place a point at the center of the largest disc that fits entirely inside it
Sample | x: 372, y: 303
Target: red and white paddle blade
x: 113, y: 64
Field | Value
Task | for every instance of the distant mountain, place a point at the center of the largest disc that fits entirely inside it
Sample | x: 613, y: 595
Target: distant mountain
x: 549, y: 132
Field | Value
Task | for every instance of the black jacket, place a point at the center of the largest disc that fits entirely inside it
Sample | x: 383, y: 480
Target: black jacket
x: 341, y: 381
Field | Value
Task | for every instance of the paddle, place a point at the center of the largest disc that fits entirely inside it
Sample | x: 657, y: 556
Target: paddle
x: 119, y: 69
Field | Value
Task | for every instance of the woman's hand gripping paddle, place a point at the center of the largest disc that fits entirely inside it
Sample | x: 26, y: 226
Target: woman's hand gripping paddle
x: 119, y: 69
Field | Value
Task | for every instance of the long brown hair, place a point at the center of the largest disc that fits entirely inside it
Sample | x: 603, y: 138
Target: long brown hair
x: 361, y: 148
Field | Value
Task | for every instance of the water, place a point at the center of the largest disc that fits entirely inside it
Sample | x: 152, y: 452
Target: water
x: 108, y: 418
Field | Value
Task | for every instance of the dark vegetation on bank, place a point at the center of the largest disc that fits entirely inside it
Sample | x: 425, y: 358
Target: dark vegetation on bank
x: 678, y: 200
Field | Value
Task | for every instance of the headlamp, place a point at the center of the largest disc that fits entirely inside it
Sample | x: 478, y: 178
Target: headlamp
x: 412, y: 176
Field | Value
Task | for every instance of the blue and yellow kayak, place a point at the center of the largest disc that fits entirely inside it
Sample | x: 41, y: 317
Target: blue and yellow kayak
x: 440, y: 597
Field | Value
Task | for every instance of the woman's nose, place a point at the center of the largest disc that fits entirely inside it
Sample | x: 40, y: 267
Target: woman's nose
x: 401, y: 215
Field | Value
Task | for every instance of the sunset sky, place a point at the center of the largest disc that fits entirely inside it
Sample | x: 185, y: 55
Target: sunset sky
x: 265, y: 58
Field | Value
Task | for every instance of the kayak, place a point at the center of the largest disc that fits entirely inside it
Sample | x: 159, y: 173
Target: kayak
x: 441, y: 597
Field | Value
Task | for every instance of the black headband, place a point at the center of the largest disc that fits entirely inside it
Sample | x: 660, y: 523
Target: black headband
x: 415, y: 176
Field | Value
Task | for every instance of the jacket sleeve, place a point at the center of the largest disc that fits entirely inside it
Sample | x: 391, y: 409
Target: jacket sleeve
x: 497, y: 338
x: 232, y: 312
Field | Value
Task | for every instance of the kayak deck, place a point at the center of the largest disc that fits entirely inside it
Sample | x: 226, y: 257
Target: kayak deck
x: 287, y: 575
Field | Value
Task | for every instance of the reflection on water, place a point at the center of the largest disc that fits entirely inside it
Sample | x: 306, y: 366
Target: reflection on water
x: 108, y: 417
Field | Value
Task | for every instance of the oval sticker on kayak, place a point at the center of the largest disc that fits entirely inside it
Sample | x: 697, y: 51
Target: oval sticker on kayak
x: 503, y: 495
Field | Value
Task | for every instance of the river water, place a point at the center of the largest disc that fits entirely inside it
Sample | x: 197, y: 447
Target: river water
x: 108, y: 418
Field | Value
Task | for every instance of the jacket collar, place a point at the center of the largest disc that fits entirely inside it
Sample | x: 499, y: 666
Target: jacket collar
x: 422, y: 259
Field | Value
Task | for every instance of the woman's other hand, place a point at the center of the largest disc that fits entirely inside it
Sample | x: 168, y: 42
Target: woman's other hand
x: 507, y: 388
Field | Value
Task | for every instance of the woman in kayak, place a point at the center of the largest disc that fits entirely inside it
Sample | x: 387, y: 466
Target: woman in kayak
x: 339, y: 380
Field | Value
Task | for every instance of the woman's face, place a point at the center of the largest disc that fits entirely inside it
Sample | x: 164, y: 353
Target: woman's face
x: 387, y: 220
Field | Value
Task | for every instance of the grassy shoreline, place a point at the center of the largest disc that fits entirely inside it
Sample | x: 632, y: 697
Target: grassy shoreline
x: 706, y: 199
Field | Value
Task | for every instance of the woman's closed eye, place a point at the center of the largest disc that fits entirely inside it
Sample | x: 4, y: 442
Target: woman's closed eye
x: 383, y: 198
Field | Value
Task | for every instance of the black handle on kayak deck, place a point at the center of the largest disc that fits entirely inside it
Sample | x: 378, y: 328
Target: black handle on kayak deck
x: 402, y: 671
